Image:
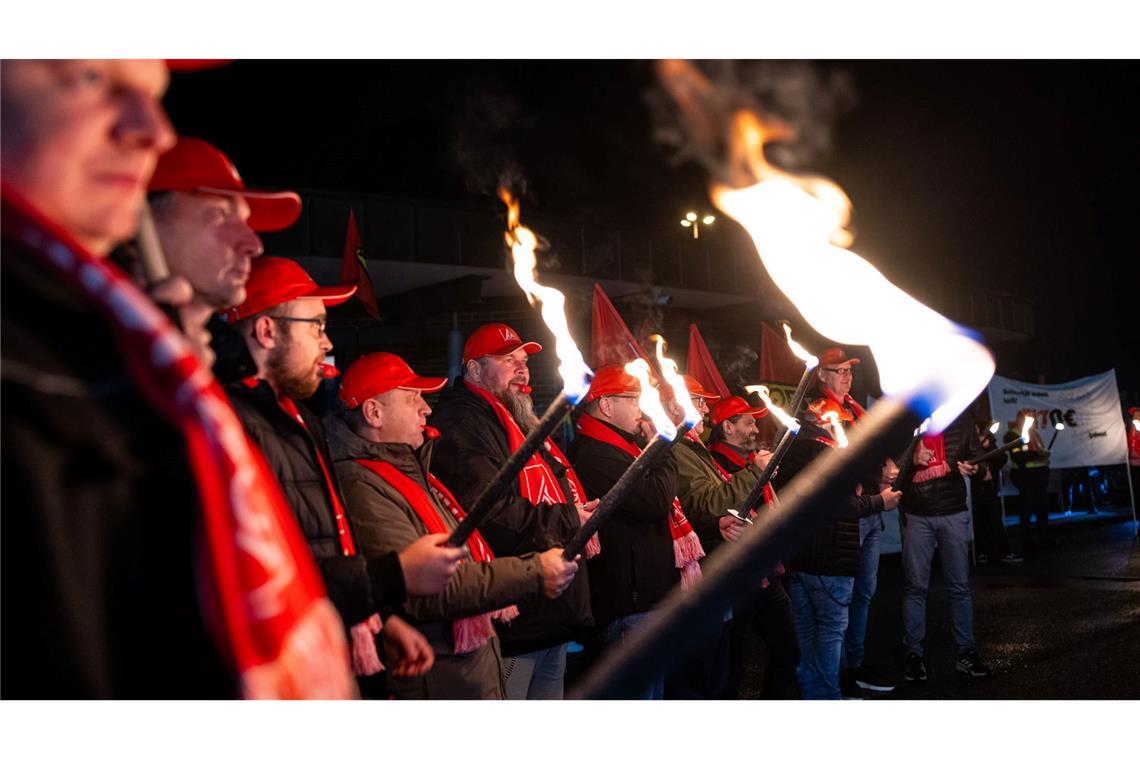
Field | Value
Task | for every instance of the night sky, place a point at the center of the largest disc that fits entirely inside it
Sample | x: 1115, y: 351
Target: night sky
x: 1011, y: 176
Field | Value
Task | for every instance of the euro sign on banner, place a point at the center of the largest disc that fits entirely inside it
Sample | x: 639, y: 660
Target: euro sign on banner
x: 1089, y: 408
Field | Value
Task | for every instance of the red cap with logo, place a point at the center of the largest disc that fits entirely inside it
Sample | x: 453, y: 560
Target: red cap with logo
x: 612, y: 380
x: 732, y: 406
x: 696, y: 389
x: 274, y: 280
x: 373, y: 374
x: 836, y: 357
x: 496, y: 339
x: 195, y: 165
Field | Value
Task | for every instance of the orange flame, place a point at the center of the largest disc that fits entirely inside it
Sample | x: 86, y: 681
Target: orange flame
x: 799, y: 227
x: 837, y: 426
x: 786, y: 419
x: 677, y: 382
x: 798, y: 350
x: 522, y: 242
x: 650, y: 400
x: 1025, y: 426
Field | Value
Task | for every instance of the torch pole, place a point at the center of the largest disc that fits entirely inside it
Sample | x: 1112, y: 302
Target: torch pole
x: 510, y: 470
x: 756, y: 495
x: 632, y: 475
x: 906, y: 463
x: 685, y: 619
x: 1001, y: 450
x: 801, y: 391
x: 1051, y: 440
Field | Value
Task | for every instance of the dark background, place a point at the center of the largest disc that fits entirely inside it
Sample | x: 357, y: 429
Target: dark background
x: 1012, y: 176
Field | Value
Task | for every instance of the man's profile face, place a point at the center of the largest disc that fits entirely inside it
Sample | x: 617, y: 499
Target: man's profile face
x: 207, y: 240
x: 80, y: 139
x: 624, y: 412
x: 403, y: 416
x: 294, y: 363
x: 742, y: 431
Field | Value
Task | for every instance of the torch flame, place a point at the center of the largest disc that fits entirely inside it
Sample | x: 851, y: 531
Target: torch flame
x: 800, y: 352
x: 1136, y: 424
x: 670, y: 375
x: 786, y: 419
x: 650, y: 400
x: 1059, y: 426
x: 1028, y: 423
x: 522, y: 242
x: 837, y: 426
x: 799, y: 226
x: 994, y: 427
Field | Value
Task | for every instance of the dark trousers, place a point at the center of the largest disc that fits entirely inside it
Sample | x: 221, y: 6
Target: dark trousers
x: 765, y: 615
x: 1032, y: 483
x: 989, y: 530
x: 703, y: 672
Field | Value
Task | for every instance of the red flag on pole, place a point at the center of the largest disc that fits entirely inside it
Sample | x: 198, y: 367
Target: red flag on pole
x: 353, y: 270
x: 701, y: 365
x: 611, y: 342
x: 777, y: 362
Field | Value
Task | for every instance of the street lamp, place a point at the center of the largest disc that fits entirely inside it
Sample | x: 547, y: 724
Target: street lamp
x: 691, y: 220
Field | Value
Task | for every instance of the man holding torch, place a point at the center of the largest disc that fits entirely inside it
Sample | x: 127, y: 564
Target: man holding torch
x: 282, y: 321
x: 1029, y: 472
x: 482, y: 419
x: 734, y: 438
x: 383, y: 453
x: 649, y: 545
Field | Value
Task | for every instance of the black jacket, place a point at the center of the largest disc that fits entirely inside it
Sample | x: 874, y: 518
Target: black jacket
x: 833, y: 548
x: 945, y: 495
x: 636, y: 567
x: 357, y: 586
x: 100, y: 513
x: 471, y: 448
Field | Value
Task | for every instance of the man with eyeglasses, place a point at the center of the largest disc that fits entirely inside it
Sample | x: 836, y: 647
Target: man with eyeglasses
x: 647, y: 543
x: 282, y: 321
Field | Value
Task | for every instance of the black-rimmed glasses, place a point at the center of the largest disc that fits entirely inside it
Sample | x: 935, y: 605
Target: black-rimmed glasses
x: 321, y: 322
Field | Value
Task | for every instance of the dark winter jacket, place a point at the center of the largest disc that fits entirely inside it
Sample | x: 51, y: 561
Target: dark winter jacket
x: 471, y: 448
x: 100, y: 513
x: 636, y: 567
x: 833, y: 548
x: 358, y: 586
x: 945, y: 495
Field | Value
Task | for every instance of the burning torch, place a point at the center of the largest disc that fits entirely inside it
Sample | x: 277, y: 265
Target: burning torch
x: 573, y: 369
x: 1021, y: 441
x: 810, y: 363
x: 1056, y: 429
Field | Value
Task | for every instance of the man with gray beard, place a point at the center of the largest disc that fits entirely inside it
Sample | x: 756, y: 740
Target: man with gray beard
x: 482, y: 418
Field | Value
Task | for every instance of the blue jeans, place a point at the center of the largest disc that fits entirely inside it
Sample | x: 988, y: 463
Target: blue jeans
x: 819, y: 605
x: 617, y: 631
x: 536, y: 675
x: 950, y: 534
x: 870, y: 531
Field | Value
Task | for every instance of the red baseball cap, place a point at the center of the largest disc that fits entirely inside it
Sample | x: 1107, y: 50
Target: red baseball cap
x: 195, y: 165
x: 495, y: 339
x: 732, y: 406
x: 612, y: 380
x: 373, y: 374
x: 274, y: 280
x: 696, y: 389
x: 836, y: 357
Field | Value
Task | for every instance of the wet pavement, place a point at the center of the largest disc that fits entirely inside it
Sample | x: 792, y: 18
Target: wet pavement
x: 1063, y: 625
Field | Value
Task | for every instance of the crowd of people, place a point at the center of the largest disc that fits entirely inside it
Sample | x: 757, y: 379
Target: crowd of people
x: 182, y: 518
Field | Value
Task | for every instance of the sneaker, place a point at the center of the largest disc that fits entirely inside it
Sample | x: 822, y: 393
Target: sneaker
x: 1012, y: 559
x: 914, y: 669
x: 971, y: 664
x: 872, y: 680
x: 847, y: 687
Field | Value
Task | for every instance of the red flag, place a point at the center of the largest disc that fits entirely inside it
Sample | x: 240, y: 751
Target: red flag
x: 611, y: 342
x: 701, y: 364
x: 777, y: 362
x: 353, y: 270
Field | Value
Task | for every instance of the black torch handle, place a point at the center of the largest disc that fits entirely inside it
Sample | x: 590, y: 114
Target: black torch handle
x: 991, y: 454
x: 906, y: 463
x: 801, y: 391
x: 632, y: 475
x: 756, y: 495
x: 510, y: 470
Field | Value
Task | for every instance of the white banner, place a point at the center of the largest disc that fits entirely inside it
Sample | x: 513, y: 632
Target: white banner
x: 1089, y: 408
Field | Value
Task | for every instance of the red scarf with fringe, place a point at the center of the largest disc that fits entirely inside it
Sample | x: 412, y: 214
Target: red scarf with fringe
x: 537, y: 482
x: 468, y: 633
x: 260, y: 590
x: 687, y: 547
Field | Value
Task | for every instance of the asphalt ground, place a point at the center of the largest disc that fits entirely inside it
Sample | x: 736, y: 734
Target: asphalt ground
x: 1065, y: 624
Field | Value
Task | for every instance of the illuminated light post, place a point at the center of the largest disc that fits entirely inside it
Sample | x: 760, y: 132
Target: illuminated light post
x: 693, y: 220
